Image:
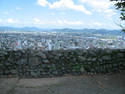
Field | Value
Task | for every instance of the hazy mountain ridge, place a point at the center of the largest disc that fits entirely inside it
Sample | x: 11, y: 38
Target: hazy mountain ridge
x: 92, y: 31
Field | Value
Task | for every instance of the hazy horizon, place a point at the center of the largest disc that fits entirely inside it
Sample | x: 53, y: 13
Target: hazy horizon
x: 60, y: 28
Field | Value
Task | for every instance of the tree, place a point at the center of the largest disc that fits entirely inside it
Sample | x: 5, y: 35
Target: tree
x: 120, y: 5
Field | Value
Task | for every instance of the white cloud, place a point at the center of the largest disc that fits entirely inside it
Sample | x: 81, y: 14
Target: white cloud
x: 37, y: 21
x: 64, y: 4
x: 18, y: 8
x: 103, y: 6
x: 98, y: 4
x: 66, y: 22
x: 110, y: 13
x: 11, y: 20
x: 43, y: 2
x: 1, y: 20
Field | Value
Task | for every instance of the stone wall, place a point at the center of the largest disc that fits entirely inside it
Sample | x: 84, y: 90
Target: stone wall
x: 36, y: 63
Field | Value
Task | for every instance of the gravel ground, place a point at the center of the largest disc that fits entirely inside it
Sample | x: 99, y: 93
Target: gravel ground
x: 85, y: 84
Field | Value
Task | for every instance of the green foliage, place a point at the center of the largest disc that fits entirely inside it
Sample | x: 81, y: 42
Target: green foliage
x: 77, y: 67
x: 120, y: 5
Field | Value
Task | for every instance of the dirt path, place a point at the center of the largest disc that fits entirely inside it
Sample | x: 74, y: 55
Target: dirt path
x: 85, y: 84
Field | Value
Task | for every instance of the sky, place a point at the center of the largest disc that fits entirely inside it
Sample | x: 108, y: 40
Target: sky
x: 79, y: 14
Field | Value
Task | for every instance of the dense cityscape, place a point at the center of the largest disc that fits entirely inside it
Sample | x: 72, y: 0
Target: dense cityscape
x: 59, y: 40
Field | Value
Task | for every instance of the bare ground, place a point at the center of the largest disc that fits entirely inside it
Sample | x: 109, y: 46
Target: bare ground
x: 85, y: 84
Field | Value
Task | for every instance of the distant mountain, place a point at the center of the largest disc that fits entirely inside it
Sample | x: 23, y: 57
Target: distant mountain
x: 91, y: 31
x: 4, y: 28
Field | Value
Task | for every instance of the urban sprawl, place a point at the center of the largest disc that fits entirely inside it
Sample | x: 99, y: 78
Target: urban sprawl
x: 59, y: 40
